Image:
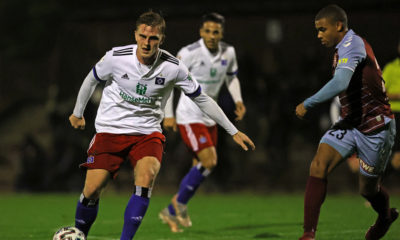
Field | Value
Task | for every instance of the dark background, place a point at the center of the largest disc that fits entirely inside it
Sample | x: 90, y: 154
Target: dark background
x: 47, y: 48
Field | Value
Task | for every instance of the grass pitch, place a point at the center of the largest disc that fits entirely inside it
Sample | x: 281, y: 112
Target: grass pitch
x: 215, y: 217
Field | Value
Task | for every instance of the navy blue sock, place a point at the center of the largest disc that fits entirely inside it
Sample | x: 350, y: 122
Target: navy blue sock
x: 135, y: 211
x: 171, y: 209
x: 191, y: 182
x: 86, y: 213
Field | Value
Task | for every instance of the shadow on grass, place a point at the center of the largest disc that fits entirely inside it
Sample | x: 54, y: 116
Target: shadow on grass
x: 257, y: 226
x: 245, y: 228
x: 263, y: 226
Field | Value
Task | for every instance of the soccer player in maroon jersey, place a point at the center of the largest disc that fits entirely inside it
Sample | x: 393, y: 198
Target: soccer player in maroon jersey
x: 366, y: 123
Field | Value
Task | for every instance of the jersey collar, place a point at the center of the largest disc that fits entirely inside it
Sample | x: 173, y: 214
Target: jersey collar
x: 144, y: 70
x: 347, y: 38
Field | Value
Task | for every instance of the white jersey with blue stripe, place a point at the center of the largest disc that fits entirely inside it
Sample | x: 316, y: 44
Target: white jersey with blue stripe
x: 211, y: 71
x: 135, y: 94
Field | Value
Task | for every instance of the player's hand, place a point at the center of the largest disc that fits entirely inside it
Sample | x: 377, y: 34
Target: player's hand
x: 170, y: 124
x: 301, y: 110
x: 77, y: 123
x: 240, y: 111
x: 241, y: 138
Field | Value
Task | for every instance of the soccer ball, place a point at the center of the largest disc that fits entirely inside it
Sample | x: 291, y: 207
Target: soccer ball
x: 69, y: 233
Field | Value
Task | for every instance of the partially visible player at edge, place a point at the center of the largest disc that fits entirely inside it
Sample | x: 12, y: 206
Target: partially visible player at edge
x: 366, y: 126
x: 139, y: 79
x: 212, y: 62
x: 391, y: 74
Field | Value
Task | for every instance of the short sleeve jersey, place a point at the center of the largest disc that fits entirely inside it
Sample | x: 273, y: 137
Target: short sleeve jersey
x: 211, y: 71
x: 391, y: 75
x: 134, y: 96
x: 364, y: 103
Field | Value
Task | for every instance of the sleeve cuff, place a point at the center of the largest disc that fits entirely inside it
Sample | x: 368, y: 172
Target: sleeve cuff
x: 96, y: 76
x: 195, y: 93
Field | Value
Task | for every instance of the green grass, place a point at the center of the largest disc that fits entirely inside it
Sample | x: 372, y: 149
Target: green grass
x: 215, y: 217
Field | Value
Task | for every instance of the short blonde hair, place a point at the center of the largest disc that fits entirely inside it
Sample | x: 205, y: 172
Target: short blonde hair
x: 152, y: 19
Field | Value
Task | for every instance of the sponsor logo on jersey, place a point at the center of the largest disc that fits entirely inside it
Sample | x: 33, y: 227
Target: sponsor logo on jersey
x: 125, y: 76
x: 189, y: 77
x: 160, y: 81
x: 224, y: 62
x: 131, y: 99
x: 141, y: 89
x: 342, y: 60
x: 366, y: 167
x: 213, y: 72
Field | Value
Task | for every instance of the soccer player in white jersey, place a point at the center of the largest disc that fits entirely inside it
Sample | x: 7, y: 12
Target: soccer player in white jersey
x: 138, y: 81
x: 213, y: 63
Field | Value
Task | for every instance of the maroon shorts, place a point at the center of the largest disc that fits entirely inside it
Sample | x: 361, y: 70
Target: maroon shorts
x: 108, y: 151
x: 198, y: 136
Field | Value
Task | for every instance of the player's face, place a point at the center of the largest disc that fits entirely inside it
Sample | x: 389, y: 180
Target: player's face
x: 148, y: 41
x: 212, y: 33
x: 328, y: 32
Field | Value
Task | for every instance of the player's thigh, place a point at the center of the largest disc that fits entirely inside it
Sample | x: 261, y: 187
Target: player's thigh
x: 335, y: 145
x: 146, y: 157
x: 96, y: 180
x: 374, y: 150
x: 107, y: 151
x: 324, y: 161
x: 145, y: 146
x: 146, y: 170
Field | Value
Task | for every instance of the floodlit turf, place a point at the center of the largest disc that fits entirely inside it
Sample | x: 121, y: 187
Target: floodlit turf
x: 224, y: 217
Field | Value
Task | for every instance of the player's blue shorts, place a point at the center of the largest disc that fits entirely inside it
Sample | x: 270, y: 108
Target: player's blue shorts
x: 373, y: 150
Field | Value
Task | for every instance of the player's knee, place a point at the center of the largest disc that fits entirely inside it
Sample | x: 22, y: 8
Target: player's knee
x: 92, y: 190
x: 318, y: 168
x: 209, y: 162
x: 368, y: 192
x: 208, y: 157
x: 146, y: 171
